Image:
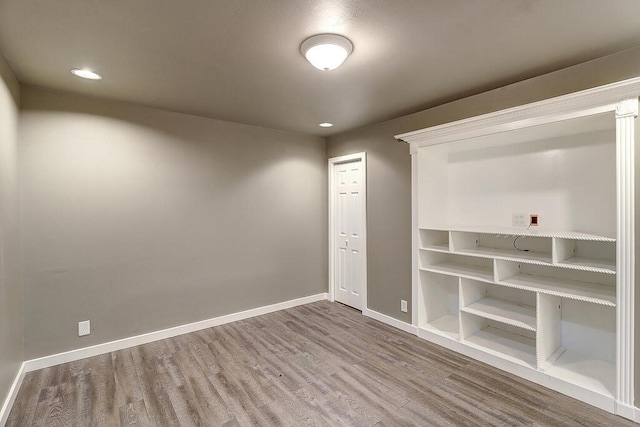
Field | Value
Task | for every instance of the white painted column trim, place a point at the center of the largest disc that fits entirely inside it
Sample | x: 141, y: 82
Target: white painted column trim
x: 626, y: 111
x: 415, y: 237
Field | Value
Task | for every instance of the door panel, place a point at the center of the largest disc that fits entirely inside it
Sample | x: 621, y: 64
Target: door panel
x: 342, y: 269
x: 349, y: 223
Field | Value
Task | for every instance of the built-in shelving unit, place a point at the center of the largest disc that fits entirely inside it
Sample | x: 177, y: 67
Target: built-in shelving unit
x: 498, y: 287
x: 552, y: 302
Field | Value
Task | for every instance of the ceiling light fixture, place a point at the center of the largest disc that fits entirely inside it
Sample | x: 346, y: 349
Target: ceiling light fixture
x: 86, y: 74
x: 326, y: 125
x: 326, y: 51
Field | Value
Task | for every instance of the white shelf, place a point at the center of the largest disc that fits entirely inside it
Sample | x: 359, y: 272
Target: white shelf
x: 605, y: 266
x: 475, y: 272
x: 533, y: 232
x: 596, y: 375
x: 581, y: 291
x: 582, y: 264
x: 446, y: 325
x: 514, y: 347
x: 522, y: 316
x: 508, y: 255
x: 436, y: 248
x: 503, y: 254
x: 573, y: 289
x: 586, y: 264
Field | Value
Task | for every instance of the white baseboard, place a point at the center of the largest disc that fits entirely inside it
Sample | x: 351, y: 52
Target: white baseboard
x: 404, y: 326
x: 629, y: 412
x: 11, y: 397
x: 95, y: 350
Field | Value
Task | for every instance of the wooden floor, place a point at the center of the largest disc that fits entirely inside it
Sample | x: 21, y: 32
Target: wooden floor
x: 318, y: 364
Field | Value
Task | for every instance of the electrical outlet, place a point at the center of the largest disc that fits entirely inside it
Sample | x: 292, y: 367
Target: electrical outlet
x: 518, y: 220
x: 403, y: 306
x: 84, y: 328
x: 534, y: 220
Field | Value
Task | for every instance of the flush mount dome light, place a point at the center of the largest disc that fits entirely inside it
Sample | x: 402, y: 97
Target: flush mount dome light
x: 86, y: 74
x: 326, y: 125
x: 326, y: 51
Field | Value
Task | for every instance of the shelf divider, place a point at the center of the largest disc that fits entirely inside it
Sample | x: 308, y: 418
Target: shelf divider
x: 573, y: 289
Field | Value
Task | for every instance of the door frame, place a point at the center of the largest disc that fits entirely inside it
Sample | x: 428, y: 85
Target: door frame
x: 362, y: 157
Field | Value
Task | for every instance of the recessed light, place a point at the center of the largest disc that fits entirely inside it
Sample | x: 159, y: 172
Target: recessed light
x: 326, y: 125
x: 86, y: 74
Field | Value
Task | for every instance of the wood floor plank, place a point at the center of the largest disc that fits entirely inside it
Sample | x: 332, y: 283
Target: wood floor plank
x: 239, y: 404
x: 46, y: 406
x: 473, y: 412
x: 281, y: 413
x: 56, y: 406
x: 291, y: 409
x: 185, y: 407
x: 321, y: 364
x: 205, y: 358
x: 69, y: 397
x: 175, y: 377
x: 372, y: 391
x: 157, y: 402
x: 151, y: 373
x: 126, y: 380
x: 500, y: 398
x: 205, y: 395
x: 398, y: 384
x: 331, y: 406
x: 416, y: 414
x: 134, y: 414
x: 103, y: 390
x: 23, y: 410
x: 83, y: 395
x: 358, y: 411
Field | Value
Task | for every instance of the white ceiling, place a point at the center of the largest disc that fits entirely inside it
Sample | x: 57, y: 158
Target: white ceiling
x: 239, y: 60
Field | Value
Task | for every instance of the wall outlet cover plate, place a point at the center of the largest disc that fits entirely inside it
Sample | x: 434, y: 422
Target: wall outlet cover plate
x: 84, y: 328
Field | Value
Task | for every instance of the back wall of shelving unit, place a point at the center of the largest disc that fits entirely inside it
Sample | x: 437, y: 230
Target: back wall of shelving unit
x: 555, y: 171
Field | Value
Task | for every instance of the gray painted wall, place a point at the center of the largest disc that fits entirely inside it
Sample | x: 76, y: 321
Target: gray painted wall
x: 11, y: 354
x: 389, y: 169
x: 140, y: 219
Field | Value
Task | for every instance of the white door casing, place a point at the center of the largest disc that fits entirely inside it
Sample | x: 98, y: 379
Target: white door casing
x: 347, y: 230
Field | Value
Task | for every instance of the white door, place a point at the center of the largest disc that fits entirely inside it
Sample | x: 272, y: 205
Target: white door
x: 348, y: 229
